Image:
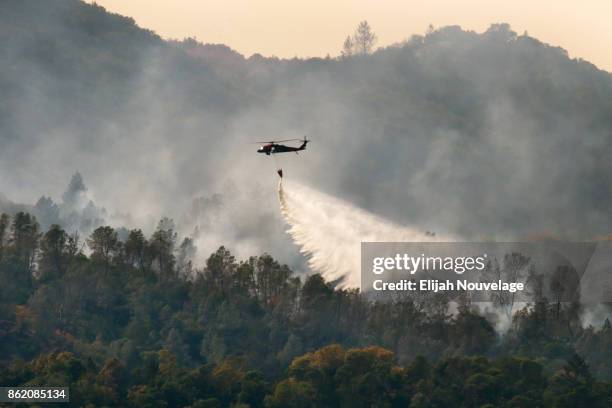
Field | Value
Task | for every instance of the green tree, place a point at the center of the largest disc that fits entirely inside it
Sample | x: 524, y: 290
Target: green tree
x: 253, y: 389
x: 53, y: 253
x: 292, y: 393
x: 271, y: 279
x: 162, y: 245
x: 573, y: 386
x: 24, y: 240
x: 104, y: 244
x: 135, y: 248
x: 220, y: 269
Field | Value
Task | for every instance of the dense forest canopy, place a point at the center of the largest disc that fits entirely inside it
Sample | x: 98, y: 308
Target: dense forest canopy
x: 489, y: 134
x: 134, y: 323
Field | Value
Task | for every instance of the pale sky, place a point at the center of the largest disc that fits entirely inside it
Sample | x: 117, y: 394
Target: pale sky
x: 306, y: 28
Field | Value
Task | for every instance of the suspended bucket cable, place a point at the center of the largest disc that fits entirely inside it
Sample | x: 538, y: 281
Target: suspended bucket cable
x: 279, y: 169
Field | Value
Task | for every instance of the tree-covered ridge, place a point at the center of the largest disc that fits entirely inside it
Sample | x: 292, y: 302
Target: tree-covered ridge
x: 329, y: 377
x: 132, y: 319
x: 126, y: 318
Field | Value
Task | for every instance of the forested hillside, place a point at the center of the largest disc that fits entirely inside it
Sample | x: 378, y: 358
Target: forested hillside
x: 135, y: 322
x: 491, y: 134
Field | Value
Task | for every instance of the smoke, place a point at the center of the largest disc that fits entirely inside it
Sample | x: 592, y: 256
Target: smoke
x: 486, y: 135
x: 329, y: 231
x: 245, y: 220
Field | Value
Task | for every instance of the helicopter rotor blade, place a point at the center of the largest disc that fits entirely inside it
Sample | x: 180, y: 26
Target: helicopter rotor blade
x: 278, y: 141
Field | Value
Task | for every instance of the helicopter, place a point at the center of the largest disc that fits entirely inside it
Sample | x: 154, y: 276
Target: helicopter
x: 275, y: 147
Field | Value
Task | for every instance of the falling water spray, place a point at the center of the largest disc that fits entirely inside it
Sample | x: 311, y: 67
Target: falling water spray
x: 329, y: 231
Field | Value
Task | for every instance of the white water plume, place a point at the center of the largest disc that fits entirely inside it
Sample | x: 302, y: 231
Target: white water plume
x: 329, y: 231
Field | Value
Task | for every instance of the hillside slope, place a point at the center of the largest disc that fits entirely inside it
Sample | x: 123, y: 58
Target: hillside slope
x: 492, y: 134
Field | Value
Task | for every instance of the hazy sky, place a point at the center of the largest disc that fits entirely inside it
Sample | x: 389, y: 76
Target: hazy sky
x: 287, y: 28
